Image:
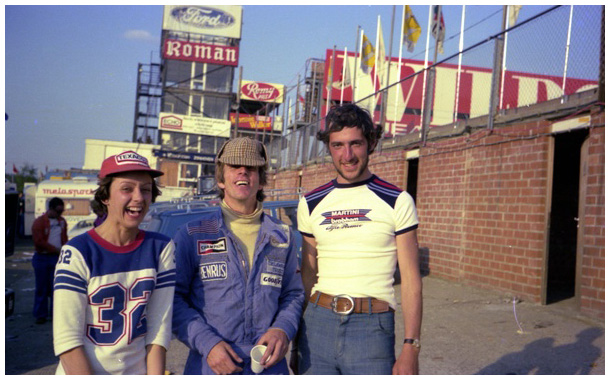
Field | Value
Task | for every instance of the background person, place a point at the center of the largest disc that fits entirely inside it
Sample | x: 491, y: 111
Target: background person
x: 49, y: 232
x: 238, y: 283
x: 99, y: 211
x: 114, y: 284
x: 355, y: 229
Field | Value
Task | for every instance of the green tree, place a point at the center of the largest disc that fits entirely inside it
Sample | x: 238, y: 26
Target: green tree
x: 27, y: 173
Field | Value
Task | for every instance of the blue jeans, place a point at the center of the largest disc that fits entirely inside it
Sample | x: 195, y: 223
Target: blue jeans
x: 44, y: 272
x: 355, y: 344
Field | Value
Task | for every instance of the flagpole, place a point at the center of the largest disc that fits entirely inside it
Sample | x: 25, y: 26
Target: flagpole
x: 565, y: 67
x: 343, y: 74
x: 398, y: 72
x: 384, y: 96
x: 356, y: 51
x: 459, y: 71
x: 329, y: 85
x: 423, y: 98
x: 358, y: 64
x: 376, y: 69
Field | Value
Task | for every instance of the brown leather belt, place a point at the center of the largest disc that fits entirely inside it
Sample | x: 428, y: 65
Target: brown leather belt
x: 344, y: 304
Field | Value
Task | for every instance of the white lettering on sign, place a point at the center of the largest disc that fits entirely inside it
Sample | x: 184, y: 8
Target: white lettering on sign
x: 260, y: 91
x: 200, y: 52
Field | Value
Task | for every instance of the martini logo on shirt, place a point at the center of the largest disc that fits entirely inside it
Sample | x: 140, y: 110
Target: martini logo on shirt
x: 206, y: 247
x: 340, y: 219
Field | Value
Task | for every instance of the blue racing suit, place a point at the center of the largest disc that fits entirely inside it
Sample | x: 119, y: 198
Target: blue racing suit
x: 218, y: 297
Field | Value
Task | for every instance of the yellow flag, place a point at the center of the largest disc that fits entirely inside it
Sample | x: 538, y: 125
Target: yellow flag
x: 411, y: 31
x: 368, y: 54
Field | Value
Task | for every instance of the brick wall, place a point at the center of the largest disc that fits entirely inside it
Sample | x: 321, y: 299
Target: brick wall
x: 482, y: 209
x: 592, y: 290
x: 482, y: 203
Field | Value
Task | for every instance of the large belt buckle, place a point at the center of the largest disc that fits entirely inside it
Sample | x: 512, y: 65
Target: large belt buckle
x: 333, y: 304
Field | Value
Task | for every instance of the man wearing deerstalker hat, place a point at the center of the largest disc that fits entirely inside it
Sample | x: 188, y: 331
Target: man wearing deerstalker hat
x: 238, y: 282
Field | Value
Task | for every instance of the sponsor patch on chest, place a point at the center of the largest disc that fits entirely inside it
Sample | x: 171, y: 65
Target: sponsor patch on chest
x: 271, y: 280
x: 340, y: 219
x: 206, y: 247
x: 275, y: 267
x: 213, y: 271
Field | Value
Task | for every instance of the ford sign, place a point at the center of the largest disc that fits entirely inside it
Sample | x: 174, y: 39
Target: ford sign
x: 203, y: 17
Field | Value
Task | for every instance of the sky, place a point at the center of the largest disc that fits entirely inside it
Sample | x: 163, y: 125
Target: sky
x: 70, y: 71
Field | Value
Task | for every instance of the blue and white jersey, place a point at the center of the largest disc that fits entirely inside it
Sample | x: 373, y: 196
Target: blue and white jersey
x: 355, y: 228
x: 114, y: 300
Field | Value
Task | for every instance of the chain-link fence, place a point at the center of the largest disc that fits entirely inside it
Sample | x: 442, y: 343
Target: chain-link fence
x: 548, y: 56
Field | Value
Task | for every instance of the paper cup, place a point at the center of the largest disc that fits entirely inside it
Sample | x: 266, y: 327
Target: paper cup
x: 256, y: 354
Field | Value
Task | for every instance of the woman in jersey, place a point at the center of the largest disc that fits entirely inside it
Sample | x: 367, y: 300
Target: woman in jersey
x: 114, y: 284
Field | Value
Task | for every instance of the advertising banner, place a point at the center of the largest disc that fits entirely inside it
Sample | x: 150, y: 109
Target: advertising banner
x: 214, y: 20
x: 194, y: 124
x: 262, y: 92
x: 253, y: 122
x: 200, y: 52
x: 185, y: 156
x: 460, y: 95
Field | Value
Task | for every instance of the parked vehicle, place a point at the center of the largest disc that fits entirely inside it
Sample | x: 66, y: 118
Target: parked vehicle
x: 168, y: 217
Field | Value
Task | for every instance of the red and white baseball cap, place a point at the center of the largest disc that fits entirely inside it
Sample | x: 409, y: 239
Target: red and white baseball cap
x: 128, y: 161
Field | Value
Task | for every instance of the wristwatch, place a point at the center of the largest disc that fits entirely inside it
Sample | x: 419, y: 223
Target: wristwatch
x: 413, y: 342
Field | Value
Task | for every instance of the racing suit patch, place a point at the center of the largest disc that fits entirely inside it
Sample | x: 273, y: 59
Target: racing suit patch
x: 271, y: 280
x: 213, y: 271
x: 275, y: 267
x: 206, y: 247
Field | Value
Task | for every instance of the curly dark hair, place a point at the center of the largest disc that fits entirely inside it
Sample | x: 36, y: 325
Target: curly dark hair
x: 350, y: 115
x: 102, y: 192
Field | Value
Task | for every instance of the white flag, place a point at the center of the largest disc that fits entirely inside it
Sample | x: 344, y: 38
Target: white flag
x: 513, y: 13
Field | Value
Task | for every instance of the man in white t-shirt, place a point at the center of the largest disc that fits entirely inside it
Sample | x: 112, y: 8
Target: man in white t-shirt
x: 356, y: 229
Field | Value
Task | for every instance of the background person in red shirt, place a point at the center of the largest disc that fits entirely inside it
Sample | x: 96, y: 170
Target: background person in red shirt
x: 49, y: 232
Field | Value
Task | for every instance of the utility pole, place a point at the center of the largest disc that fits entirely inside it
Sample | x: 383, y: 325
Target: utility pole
x: 494, y: 97
x: 384, y: 95
x: 238, y: 103
x: 430, y: 84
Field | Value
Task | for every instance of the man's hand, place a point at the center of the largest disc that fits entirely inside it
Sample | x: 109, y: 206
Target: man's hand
x: 222, y: 358
x: 407, y: 363
x: 277, y: 346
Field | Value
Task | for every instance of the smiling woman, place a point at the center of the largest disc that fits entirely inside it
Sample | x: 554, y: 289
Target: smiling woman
x: 114, y: 285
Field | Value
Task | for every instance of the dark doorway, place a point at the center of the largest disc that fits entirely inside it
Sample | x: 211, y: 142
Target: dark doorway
x: 412, y: 178
x: 564, y: 216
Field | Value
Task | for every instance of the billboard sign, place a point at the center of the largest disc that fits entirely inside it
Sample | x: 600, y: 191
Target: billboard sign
x: 185, y: 156
x: 465, y: 98
x: 261, y: 123
x: 262, y: 92
x: 200, y: 52
x: 214, y: 20
x: 196, y: 125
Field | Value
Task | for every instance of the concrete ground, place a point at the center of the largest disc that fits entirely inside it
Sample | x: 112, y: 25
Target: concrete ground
x: 465, y: 331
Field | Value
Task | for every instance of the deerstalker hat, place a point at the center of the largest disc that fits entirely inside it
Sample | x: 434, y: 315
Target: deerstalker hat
x: 243, y: 151
x: 128, y: 161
